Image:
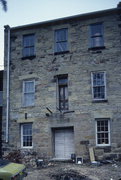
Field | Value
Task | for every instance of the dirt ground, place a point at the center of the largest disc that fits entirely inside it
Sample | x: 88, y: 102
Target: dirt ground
x: 53, y: 171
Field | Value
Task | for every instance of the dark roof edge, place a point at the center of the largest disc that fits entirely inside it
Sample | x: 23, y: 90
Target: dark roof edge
x: 101, y: 12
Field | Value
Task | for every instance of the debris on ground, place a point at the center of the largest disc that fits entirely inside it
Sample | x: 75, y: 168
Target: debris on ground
x: 56, y: 170
x: 69, y: 175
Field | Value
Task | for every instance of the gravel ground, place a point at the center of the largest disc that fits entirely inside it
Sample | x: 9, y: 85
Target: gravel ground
x: 90, y: 172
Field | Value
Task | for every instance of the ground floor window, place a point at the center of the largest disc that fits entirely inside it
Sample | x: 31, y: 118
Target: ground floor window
x: 102, y: 132
x: 26, y: 135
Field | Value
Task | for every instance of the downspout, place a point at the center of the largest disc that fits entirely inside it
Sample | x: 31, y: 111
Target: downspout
x: 7, y: 29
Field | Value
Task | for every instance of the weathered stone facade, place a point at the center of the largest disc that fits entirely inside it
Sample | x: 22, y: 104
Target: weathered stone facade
x: 78, y: 63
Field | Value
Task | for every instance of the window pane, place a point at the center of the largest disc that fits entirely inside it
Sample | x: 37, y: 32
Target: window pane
x: 99, y: 92
x: 61, y: 35
x: 98, y: 79
x: 61, y: 46
x: 1, y: 98
x: 102, y: 132
x: 28, y: 40
x: 63, y: 93
x: 96, y: 35
x: 62, y: 81
x: 28, y: 93
x: 98, y: 85
x: 61, y: 40
x: 97, y: 41
x: 27, y: 134
x: 29, y: 87
x: 28, y: 45
x: 29, y: 99
x: 96, y: 29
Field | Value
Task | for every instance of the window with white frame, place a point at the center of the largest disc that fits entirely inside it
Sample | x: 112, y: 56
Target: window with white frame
x: 61, y: 40
x: 28, y: 93
x: 26, y: 135
x: 99, y: 85
x: 102, y: 132
x: 28, y: 45
x: 96, y: 35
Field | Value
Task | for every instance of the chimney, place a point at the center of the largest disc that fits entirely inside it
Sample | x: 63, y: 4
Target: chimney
x: 119, y: 5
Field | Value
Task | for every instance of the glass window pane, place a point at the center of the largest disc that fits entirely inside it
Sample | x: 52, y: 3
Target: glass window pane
x: 61, y: 35
x: 61, y: 46
x: 28, y: 86
x: 29, y: 99
x: 96, y: 29
x: 102, y: 132
x: 62, y: 81
x: 28, y: 45
x: 27, y: 134
x: 63, y: 92
x: 97, y: 41
x: 61, y: 40
x: 96, y: 35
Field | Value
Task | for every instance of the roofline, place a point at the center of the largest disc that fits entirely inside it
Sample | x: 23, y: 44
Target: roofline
x: 80, y: 16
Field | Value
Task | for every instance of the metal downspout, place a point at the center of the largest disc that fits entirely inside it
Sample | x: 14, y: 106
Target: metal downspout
x: 7, y: 28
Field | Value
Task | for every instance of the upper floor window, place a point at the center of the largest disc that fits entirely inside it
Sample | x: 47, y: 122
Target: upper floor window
x: 99, y: 85
x: 102, y: 132
x: 61, y: 40
x: 96, y: 35
x: 26, y: 135
x: 63, y: 92
x: 28, y: 93
x: 28, y: 45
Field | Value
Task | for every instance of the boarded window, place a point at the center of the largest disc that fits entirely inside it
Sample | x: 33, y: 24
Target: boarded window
x: 96, y: 35
x: 61, y: 40
x: 28, y: 45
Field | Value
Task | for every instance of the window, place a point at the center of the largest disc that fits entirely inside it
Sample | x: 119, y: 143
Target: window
x: 28, y: 93
x: 28, y: 45
x: 96, y: 35
x: 1, y: 98
x: 63, y: 92
x: 26, y: 135
x: 61, y: 40
x: 102, y: 132
x: 99, y: 85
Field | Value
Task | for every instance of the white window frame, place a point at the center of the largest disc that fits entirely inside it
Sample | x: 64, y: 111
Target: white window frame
x: 109, y: 128
x: 29, y: 147
x: 28, y: 81
x: 105, y: 92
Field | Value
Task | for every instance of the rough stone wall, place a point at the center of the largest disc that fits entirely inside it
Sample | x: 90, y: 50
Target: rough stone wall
x: 78, y: 64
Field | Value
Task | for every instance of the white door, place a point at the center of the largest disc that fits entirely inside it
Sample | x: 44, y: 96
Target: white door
x: 64, y: 143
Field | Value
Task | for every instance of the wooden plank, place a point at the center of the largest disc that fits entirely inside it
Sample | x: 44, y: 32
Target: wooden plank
x: 91, y: 153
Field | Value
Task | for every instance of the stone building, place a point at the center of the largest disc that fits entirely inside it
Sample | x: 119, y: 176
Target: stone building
x: 62, y: 86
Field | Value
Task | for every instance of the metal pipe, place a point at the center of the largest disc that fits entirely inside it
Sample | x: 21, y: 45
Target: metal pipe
x: 7, y: 28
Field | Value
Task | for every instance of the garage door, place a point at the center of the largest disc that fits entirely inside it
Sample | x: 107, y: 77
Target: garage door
x: 64, y: 143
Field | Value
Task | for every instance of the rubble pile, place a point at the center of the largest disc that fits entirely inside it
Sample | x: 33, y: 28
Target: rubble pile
x: 69, y: 175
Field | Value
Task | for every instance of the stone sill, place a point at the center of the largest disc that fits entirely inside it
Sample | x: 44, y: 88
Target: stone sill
x: 100, y: 101
x: 28, y: 57
x: 62, y: 52
x: 96, y: 48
